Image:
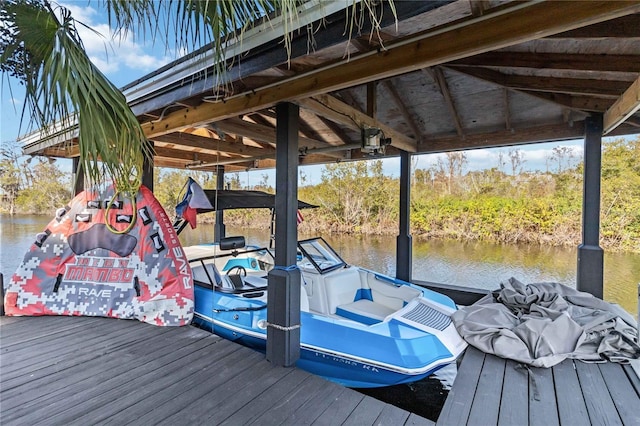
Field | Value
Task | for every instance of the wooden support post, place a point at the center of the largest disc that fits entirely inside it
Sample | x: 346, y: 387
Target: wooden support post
x: 78, y: 175
x: 283, y: 301
x: 403, y: 242
x: 590, y: 255
x: 147, y: 170
x: 219, y: 230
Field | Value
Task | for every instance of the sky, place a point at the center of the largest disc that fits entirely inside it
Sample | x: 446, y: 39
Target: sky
x: 128, y: 59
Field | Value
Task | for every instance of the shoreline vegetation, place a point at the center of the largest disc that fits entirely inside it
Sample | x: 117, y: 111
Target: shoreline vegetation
x: 503, y: 204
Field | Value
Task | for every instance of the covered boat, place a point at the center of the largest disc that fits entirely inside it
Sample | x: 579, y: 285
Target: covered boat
x: 358, y: 327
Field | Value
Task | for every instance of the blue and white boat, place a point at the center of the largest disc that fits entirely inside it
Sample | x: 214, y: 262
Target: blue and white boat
x: 358, y: 328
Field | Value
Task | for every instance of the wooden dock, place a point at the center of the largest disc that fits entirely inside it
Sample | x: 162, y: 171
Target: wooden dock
x: 82, y: 370
x: 489, y: 390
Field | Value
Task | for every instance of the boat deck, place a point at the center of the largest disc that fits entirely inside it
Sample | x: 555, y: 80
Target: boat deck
x: 84, y: 370
x: 491, y: 390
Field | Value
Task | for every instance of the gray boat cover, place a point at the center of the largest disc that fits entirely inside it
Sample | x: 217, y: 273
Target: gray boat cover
x: 542, y: 324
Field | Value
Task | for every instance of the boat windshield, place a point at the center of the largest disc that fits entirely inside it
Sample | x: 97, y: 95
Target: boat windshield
x: 320, y: 254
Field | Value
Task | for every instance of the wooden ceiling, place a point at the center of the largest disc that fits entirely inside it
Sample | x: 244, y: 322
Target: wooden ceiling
x: 452, y: 75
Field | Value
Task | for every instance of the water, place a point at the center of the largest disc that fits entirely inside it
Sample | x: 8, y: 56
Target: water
x: 477, y: 265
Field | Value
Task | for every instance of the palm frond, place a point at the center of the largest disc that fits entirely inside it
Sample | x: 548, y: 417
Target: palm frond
x: 62, y: 85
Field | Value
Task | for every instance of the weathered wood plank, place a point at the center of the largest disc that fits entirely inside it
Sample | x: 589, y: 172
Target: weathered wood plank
x: 339, y: 409
x: 308, y: 412
x: 600, y: 407
x: 298, y: 396
x: 104, y: 376
x: 633, y: 377
x: 206, y: 401
x: 392, y: 416
x: 543, y: 409
x: 486, y: 402
x: 416, y: 420
x: 514, y: 403
x: 458, y: 404
x: 571, y: 406
x: 161, y: 390
x: 365, y: 413
x: 622, y: 393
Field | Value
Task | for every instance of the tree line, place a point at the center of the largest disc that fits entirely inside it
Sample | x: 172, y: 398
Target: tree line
x: 502, y: 204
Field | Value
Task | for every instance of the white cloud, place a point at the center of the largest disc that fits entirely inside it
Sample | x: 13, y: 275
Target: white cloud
x: 121, y: 59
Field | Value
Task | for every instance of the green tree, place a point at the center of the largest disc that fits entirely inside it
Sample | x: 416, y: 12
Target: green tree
x: 50, y: 189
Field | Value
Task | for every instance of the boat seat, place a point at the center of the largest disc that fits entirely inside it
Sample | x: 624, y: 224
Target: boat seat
x: 364, y: 311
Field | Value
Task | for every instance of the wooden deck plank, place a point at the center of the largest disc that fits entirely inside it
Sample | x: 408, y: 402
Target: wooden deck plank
x: 205, y: 401
x: 126, y: 372
x: 183, y: 399
x: 298, y: 396
x: 633, y: 377
x: 514, y: 402
x: 239, y: 397
x: 365, y: 413
x: 34, y: 328
x: 572, y: 409
x: 97, y: 369
x: 392, y: 416
x: 37, y: 374
x: 622, y: 393
x: 339, y: 409
x: 308, y: 412
x: 543, y: 409
x: 458, y: 404
x: 274, y: 397
x: 415, y: 420
x: 600, y: 407
x: 160, y: 389
x: 92, y: 394
x: 486, y: 402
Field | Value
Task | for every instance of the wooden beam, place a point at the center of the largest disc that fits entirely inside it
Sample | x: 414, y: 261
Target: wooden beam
x: 623, y: 108
x: 624, y: 27
x: 580, y: 103
x: 479, y: 7
x: 336, y: 110
x: 395, y: 96
x: 522, y: 22
x: 503, y: 138
x: 202, y: 142
x: 572, y: 86
x: 559, y: 61
x: 438, y: 76
x: 262, y: 133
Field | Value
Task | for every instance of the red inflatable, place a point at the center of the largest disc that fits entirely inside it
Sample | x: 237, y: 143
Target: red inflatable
x: 78, y: 266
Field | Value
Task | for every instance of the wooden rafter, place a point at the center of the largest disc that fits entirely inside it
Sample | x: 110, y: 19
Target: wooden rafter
x: 572, y: 86
x: 624, y: 27
x: 558, y: 61
x: 479, y: 7
x: 504, y: 137
x: 195, y: 141
x: 336, y: 110
x: 397, y: 99
x: 623, y: 108
x: 438, y: 76
x: 578, y: 103
x: 259, y: 132
x: 515, y: 24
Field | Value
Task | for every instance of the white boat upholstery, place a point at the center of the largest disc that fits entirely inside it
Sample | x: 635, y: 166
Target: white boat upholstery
x: 304, y: 300
x: 365, y: 311
x: 342, y: 288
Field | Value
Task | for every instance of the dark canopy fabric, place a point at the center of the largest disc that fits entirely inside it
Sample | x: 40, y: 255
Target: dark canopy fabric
x: 236, y: 199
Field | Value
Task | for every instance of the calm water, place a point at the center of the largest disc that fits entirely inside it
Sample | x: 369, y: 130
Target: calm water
x: 477, y: 265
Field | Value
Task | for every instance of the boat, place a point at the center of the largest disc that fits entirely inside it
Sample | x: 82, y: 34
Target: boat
x: 359, y: 328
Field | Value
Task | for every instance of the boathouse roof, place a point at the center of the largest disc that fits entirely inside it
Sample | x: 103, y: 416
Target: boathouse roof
x: 447, y: 75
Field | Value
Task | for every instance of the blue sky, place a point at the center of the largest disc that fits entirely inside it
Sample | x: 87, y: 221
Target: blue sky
x: 128, y: 59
